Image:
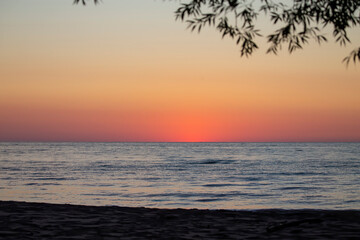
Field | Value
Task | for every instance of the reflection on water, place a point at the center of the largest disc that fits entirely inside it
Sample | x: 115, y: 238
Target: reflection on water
x: 186, y: 175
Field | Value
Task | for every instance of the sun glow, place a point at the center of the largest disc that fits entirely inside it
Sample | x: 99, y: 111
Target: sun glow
x: 193, y: 128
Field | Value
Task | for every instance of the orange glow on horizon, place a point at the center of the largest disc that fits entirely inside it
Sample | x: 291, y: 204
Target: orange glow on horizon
x: 121, y: 72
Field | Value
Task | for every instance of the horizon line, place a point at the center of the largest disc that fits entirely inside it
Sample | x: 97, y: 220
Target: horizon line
x: 66, y: 141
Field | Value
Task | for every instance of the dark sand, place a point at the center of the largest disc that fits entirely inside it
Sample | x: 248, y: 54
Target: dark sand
x: 21, y: 220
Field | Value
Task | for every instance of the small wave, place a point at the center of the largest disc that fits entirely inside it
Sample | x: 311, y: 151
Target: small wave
x: 220, y: 185
x: 42, y: 184
x: 291, y: 173
x: 51, y: 179
x: 252, y: 179
x: 180, y: 169
x: 40, y: 150
x: 100, y: 185
x: 352, y: 201
x: 105, y: 167
x: 180, y: 195
x: 208, y: 200
x: 104, y: 185
x: 258, y: 195
x: 213, y: 161
x: 210, y: 162
x: 13, y: 169
x: 150, y: 179
x: 6, y: 178
x: 298, y: 188
x: 103, y: 194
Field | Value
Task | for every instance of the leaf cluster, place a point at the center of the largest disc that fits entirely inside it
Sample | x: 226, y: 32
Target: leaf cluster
x: 297, y: 21
x: 83, y: 2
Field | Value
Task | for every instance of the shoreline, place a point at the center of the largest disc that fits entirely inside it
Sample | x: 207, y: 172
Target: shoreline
x: 19, y: 220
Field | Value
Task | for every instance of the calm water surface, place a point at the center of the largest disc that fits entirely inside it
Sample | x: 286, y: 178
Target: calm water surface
x: 184, y: 175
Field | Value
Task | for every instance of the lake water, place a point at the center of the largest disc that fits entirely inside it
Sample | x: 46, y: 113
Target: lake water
x: 184, y: 175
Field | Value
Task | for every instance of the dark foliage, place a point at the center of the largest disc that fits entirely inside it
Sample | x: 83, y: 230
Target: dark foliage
x: 296, y: 22
x: 84, y: 1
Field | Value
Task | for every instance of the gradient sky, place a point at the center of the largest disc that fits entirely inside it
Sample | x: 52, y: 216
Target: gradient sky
x: 127, y: 71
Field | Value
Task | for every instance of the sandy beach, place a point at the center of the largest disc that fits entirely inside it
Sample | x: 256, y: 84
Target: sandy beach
x: 22, y: 220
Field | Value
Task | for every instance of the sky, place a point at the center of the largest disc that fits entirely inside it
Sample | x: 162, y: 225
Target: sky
x: 127, y: 71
